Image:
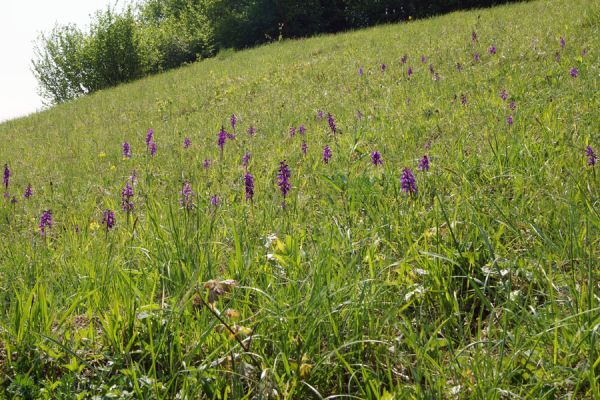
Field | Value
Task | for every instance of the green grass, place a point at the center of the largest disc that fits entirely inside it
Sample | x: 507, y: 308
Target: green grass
x: 483, y: 286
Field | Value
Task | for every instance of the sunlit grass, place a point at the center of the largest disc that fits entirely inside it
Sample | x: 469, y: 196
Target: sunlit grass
x: 484, y: 284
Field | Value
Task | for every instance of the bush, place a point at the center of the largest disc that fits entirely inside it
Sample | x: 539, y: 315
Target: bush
x: 58, y: 66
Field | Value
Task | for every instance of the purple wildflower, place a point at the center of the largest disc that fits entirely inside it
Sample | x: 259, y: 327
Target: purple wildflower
x: 206, y: 164
x: 403, y: 59
x: 504, y: 94
x: 233, y: 121
x: 301, y: 130
x: 28, y: 192
x: 126, y: 196
x: 45, y: 222
x: 562, y: 42
x: 14, y: 200
x: 509, y: 120
x: 186, y: 196
x: 251, y: 131
x: 408, y: 182
x: 284, y: 179
x: 320, y: 114
x: 424, y: 163
x: 149, y: 137
x: 474, y: 36
x: 327, y: 154
x: 512, y: 105
x: 589, y: 152
x: 133, y: 176
x: 360, y: 71
x: 476, y: 57
x: 222, y: 138
x: 152, y: 148
x: 423, y: 59
x: 383, y: 67
x: 331, y: 122
x: 186, y: 142
x: 249, y: 185
x: 492, y: 50
x: 230, y: 136
x: 304, y: 147
x: 7, y: 174
x: 376, y: 158
x: 126, y: 150
x: 245, y: 160
x: 292, y: 131
x: 463, y: 99
x: 215, y: 201
x: 410, y: 71
x: 108, y: 219
x: 574, y: 72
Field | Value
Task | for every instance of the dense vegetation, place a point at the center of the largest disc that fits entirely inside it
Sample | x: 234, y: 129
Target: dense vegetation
x: 153, y: 271
x: 157, y: 35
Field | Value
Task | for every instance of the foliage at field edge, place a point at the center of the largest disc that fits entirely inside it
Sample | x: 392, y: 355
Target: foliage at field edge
x: 157, y: 35
x: 409, y: 211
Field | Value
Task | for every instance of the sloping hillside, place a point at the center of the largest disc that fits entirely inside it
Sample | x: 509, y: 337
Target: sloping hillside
x: 266, y: 260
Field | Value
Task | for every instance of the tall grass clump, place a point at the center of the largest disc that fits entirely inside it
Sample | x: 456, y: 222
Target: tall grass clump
x: 308, y: 219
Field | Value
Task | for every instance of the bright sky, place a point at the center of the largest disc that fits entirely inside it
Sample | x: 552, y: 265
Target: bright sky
x: 21, y: 21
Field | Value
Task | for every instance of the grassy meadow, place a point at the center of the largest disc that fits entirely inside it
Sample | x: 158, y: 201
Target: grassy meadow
x: 483, y: 283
